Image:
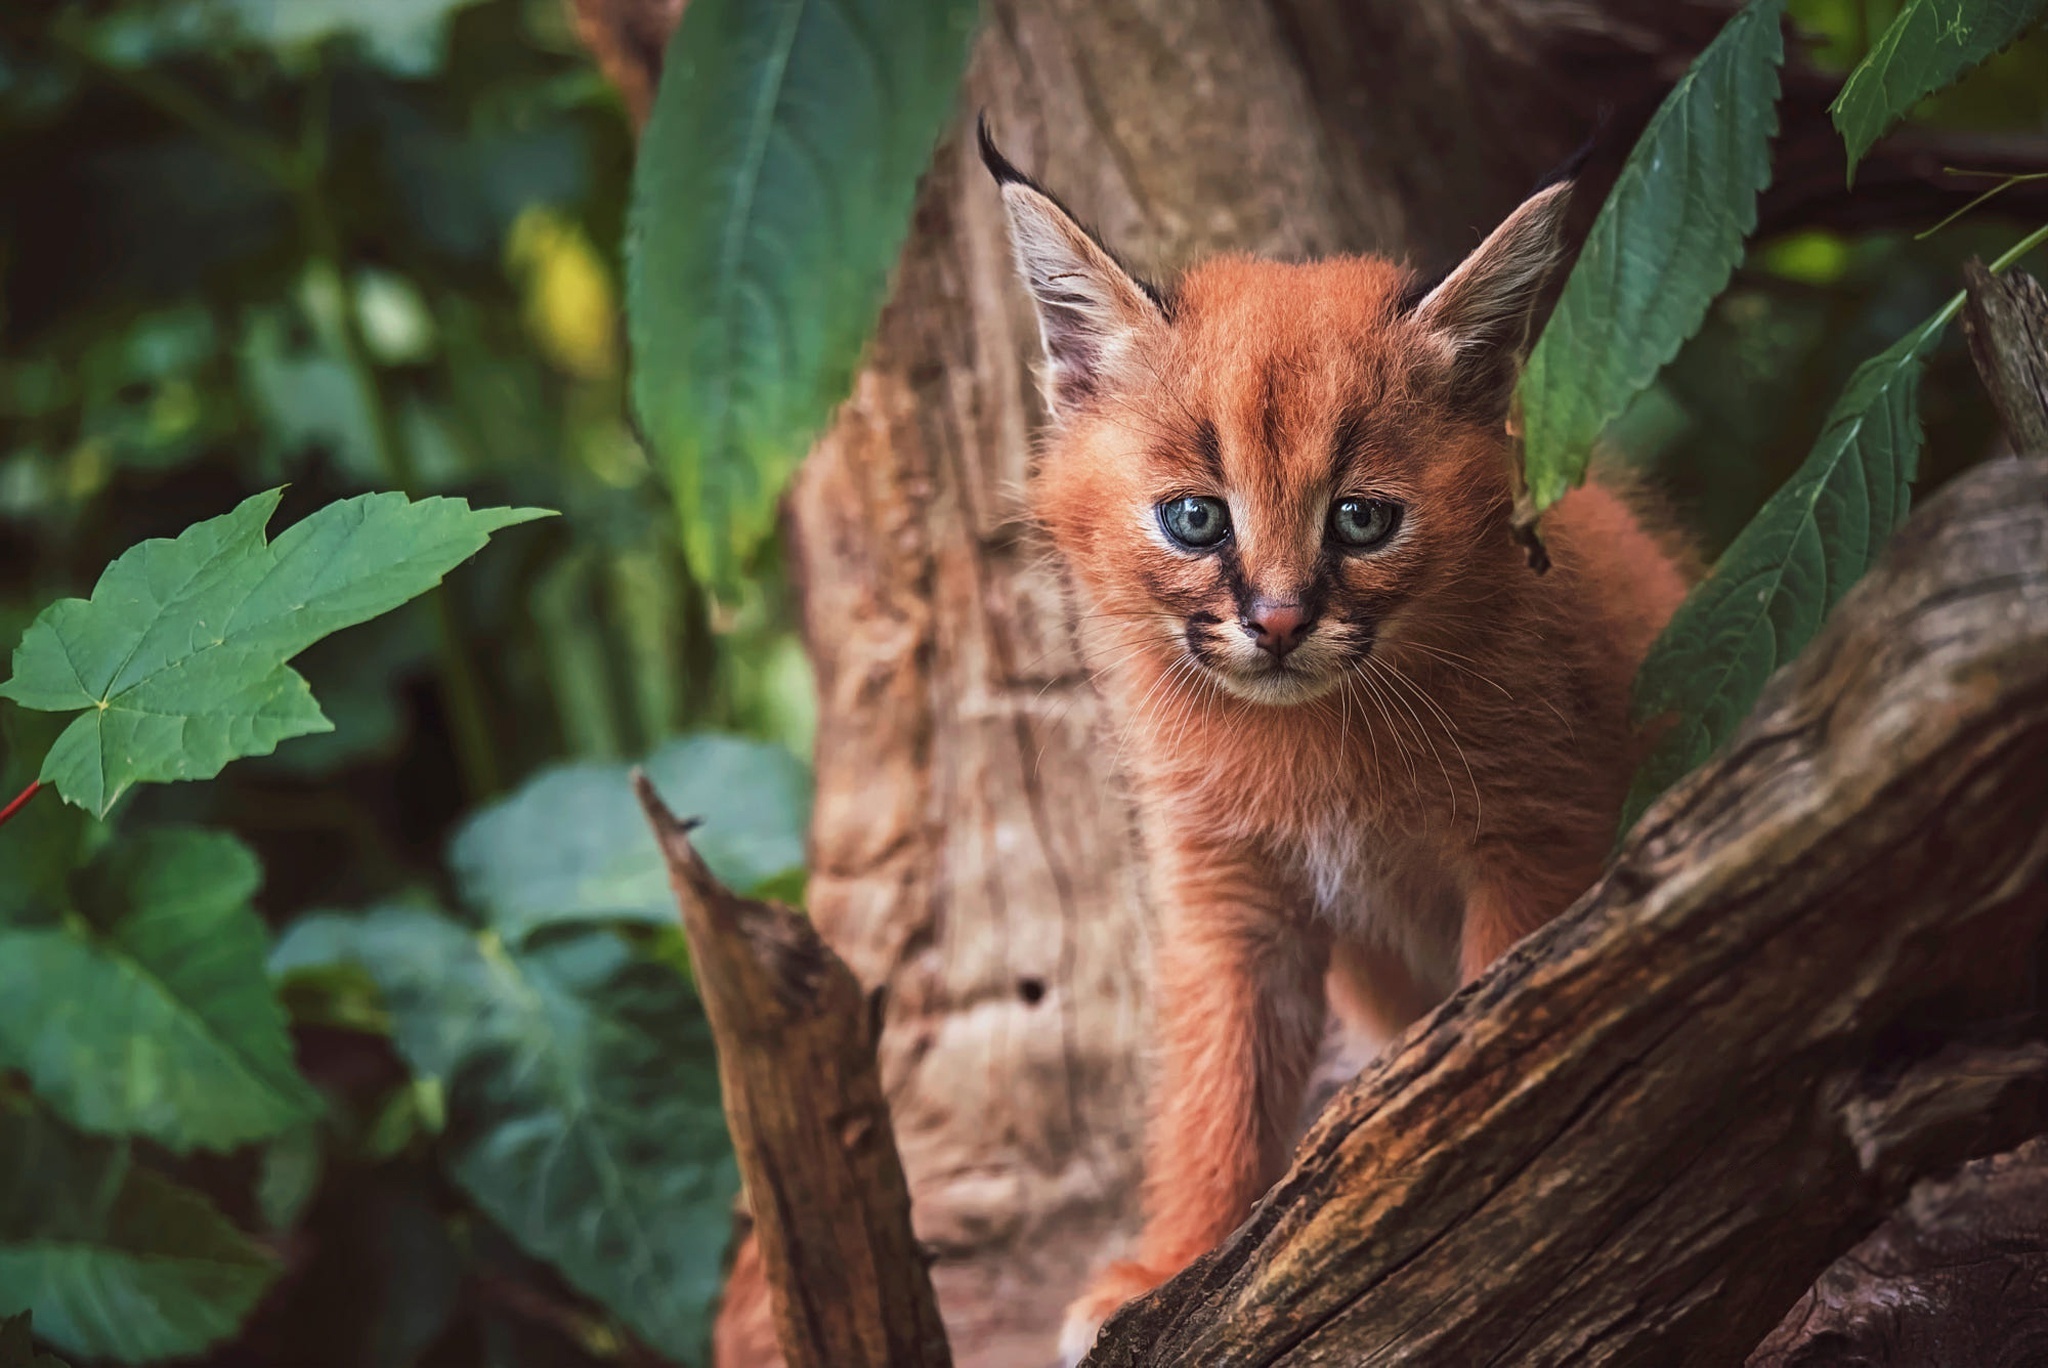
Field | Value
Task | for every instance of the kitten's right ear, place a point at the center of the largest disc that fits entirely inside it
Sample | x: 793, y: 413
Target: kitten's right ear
x: 1091, y: 311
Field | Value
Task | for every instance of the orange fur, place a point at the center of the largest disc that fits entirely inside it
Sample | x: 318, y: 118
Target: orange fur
x: 1435, y: 771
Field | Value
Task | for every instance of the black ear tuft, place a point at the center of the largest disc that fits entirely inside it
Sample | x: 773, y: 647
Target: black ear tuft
x: 999, y: 166
x: 1091, y: 311
x: 1568, y: 170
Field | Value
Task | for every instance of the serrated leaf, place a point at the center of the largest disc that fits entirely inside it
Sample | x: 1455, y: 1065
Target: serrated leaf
x: 1662, y: 247
x: 1771, y: 590
x: 114, y: 1260
x: 1928, y: 46
x: 178, y: 658
x: 153, y: 1015
x: 583, y: 1108
x: 572, y: 844
x: 771, y: 196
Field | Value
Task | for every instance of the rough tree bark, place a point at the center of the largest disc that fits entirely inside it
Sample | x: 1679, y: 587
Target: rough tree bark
x: 971, y: 849
x: 1958, y: 1276
x: 971, y: 852
x: 1805, y: 983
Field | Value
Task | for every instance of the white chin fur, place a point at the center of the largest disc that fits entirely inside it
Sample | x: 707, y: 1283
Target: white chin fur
x: 1278, y: 688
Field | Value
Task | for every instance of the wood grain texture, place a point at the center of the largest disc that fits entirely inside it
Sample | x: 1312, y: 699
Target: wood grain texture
x: 1959, y: 1275
x: 2005, y: 320
x: 1642, y: 1136
x: 796, y: 1064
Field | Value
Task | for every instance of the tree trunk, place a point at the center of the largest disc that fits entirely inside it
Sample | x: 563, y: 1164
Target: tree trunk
x: 972, y: 852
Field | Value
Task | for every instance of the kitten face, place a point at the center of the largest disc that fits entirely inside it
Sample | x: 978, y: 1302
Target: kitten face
x: 1276, y: 477
x: 1267, y: 476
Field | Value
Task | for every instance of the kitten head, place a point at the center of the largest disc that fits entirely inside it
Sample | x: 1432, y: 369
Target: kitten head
x: 1274, y: 468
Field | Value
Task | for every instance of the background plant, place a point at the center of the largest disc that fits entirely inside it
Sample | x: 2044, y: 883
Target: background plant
x: 462, y: 1111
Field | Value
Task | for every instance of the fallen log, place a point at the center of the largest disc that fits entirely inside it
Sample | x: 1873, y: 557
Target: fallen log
x: 1959, y: 1275
x: 1804, y: 984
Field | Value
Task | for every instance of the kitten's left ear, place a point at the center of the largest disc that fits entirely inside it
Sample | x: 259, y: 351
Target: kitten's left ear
x: 1482, y: 308
x: 1091, y: 311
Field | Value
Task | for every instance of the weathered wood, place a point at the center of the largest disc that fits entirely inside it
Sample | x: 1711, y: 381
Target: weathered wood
x: 796, y: 1062
x: 1642, y: 1136
x: 1959, y: 1276
x: 2005, y: 319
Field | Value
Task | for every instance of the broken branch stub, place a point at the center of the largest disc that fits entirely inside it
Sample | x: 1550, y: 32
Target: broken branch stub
x: 847, y: 1282
x: 1645, y: 1132
x: 2005, y: 320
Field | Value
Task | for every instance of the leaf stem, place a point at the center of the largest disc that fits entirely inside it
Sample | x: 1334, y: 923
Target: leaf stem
x: 2008, y: 183
x: 20, y: 800
x: 461, y: 692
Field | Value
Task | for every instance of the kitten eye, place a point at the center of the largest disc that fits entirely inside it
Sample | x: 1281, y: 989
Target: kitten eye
x: 1196, y: 522
x: 1362, y: 524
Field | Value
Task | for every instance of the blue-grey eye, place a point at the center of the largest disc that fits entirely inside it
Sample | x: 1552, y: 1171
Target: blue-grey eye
x: 1362, y: 524
x: 1196, y: 521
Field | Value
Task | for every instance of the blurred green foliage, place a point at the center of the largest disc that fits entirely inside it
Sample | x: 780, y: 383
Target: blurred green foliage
x: 349, y: 246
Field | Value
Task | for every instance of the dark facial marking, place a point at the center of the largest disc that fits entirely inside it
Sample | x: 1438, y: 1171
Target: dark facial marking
x: 1209, y: 446
x: 1269, y: 417
x: 1165, y: 591
x: 1234, y: 580
x: 1365, y: 613
x: 1349, y: 441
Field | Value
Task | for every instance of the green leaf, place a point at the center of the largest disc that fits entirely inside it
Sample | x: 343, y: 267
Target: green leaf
x: 583, y: 1109
x: 114, y: 1260
x: 1662, y: 246
x: 771, y: 198
x: 572, y: 844
x: 152, y: 1015
x: 1776, y: 583
x: 290, y: 1177
x: 1929, y: 45
x: 179, y: 656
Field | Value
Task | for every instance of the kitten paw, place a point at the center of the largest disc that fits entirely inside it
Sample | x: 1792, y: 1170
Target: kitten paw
x: 1117, y: 1284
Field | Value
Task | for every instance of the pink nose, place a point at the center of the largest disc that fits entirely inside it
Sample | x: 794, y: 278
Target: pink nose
x: 1277, y: 627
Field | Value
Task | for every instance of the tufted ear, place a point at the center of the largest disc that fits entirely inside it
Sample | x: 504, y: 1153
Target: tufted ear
x: 1482, y: 308
x: 1091, y: 311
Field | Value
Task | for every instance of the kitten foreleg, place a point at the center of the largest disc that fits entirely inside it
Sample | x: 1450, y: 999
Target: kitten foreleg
x: 1240, y: 1012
